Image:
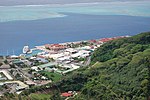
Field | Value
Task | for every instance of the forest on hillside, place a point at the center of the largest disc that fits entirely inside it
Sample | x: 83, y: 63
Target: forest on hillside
x: 121, y: 70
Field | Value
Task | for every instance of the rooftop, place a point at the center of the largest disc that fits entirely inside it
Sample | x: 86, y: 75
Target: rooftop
x: 65, y: 94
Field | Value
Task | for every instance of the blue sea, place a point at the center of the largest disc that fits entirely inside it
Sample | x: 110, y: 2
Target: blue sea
x: 38, y: 25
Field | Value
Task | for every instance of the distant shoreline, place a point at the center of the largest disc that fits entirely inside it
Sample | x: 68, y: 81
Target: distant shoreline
x: 55, y: 4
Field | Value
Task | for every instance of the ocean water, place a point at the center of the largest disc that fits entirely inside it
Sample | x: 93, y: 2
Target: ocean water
x: 38, y: 25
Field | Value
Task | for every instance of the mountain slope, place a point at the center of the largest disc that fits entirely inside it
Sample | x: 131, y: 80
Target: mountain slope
x: 122, y: 70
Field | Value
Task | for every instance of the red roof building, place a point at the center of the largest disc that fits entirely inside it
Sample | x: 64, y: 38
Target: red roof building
x: 93, y: 41
x: 105, y: 39
x: 55, y: 47
x: 66, y: 94
x: 109, y: 39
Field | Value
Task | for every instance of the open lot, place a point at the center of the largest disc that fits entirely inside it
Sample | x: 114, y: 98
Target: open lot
x: 36, y: 96
x: 54, y: 76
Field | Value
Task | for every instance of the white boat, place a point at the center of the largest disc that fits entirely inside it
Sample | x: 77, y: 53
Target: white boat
x: 26, y: 50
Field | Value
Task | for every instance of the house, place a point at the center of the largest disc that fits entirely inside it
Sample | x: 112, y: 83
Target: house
x: 6, y: 73
x: 30, y: 83
x: 66, y: 94
x: 14, y: 57
x: 42, y: 60
x: 4, y: 66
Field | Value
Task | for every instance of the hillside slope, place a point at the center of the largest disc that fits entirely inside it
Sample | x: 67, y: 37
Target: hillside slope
x: 121, y: 70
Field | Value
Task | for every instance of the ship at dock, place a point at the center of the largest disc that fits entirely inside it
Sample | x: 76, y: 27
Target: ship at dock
x: 26, y: 50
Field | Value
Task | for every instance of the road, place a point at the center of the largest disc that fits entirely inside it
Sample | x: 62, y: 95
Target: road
x: 23, y: 73
x: 88, y: 61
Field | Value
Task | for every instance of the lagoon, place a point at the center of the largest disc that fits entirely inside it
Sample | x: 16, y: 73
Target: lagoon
x: 35, y: 12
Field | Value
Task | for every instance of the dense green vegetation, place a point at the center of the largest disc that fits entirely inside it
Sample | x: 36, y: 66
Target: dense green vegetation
x: 51, y: 75
x: 122, y: 47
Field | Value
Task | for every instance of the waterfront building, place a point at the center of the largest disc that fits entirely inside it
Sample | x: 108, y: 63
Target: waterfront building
x: 55, y: 47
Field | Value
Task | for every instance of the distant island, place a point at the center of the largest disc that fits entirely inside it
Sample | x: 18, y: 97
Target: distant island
x: 39, y: 2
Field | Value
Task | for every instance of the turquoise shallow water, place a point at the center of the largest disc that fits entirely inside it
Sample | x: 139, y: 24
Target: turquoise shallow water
x: 34, y: 52
x: 32, y: 12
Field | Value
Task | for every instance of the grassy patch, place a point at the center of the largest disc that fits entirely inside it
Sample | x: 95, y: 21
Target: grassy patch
x: 54, y: 76
x: 97, y: 64
x: 36, y: 96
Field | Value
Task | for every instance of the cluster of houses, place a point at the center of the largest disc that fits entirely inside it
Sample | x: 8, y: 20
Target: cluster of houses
x: 65, y: 52
x: 8, y: 84
x: 57, y: 58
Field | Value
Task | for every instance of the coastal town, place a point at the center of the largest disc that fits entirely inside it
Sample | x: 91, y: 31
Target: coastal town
x: 45, y: 64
